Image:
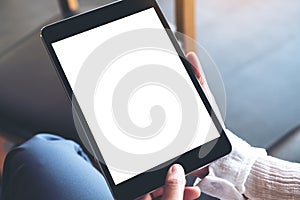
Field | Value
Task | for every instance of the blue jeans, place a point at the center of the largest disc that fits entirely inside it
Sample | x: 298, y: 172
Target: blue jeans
x: 48, y: 167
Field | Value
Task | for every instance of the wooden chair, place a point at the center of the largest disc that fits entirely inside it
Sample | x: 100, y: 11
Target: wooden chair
x: 185, y: 17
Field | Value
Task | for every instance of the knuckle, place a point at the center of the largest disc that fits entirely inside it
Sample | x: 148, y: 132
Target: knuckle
x: 174, y: 182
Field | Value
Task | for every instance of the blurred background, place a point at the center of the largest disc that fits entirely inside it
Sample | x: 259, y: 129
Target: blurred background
x: 255, y: 45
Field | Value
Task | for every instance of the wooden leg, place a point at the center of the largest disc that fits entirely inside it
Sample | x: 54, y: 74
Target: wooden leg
x: 185, y: 21
x: 68, y: 7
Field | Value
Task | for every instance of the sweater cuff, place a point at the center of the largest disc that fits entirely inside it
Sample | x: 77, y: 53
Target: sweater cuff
x: 236, y: 166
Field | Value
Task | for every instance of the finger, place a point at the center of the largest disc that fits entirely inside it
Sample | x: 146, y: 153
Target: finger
x: 201, y: 173
x: 145, y: 197
x: 191, y: 193
x: 194, y: 61
x: 158, y: 192
x: 175, y: 182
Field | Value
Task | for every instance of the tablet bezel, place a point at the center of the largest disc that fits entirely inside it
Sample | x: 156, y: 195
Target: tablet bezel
x: 146, y: 181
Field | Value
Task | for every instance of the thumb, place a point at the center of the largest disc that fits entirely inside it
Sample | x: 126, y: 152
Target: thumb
x: 175, y: 183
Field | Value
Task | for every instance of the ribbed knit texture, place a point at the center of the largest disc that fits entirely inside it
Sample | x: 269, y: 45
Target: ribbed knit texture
x: 272, y: 178
x: 227, y: 176
x: 248, y: 173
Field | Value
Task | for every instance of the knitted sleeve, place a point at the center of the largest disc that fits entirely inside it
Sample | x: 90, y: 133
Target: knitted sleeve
x: 248, y: 173
x: 272, y: 178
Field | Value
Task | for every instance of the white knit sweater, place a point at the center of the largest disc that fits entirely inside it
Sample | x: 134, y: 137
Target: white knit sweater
x: 248, y: 173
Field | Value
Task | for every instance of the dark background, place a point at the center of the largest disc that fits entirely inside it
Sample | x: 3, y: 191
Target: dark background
x: 255, y: 45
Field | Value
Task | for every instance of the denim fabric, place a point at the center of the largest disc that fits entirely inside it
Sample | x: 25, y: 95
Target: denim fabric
x: 48, y: 167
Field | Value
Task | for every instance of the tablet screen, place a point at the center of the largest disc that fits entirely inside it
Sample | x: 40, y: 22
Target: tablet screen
x: 154, y: 110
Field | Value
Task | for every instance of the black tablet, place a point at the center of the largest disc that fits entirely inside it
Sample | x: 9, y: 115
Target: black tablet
x: 134, y: 95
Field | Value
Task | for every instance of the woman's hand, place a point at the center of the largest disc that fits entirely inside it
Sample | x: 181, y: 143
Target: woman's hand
x: 194, y: 61
x: 225, y: 177
x: 174, y: 188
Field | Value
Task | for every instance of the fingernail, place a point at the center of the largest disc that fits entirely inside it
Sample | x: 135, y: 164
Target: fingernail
x: 177, y: 169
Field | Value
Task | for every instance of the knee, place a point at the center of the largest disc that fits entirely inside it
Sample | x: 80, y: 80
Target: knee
x: 36, y: 145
